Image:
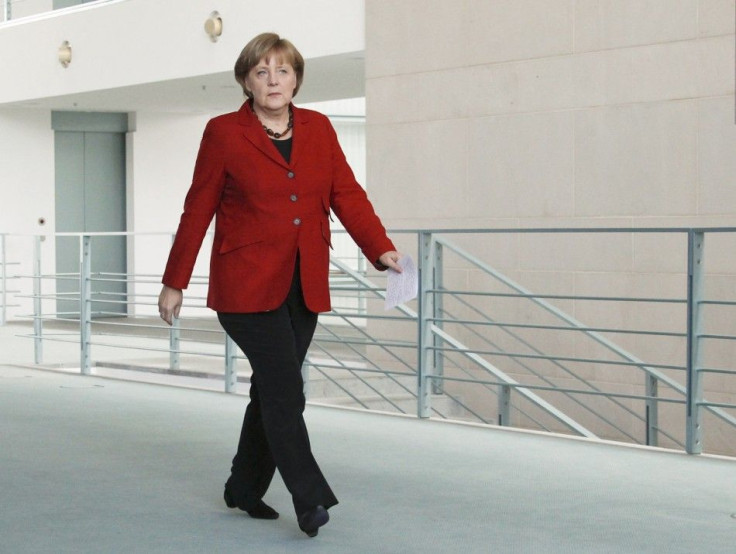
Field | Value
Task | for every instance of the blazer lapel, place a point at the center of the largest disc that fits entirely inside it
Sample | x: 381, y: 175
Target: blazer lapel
x: 253, y: 132
x: 300, y: 133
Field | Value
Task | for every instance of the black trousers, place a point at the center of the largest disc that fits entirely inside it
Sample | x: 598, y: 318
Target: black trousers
x: 274, y: 434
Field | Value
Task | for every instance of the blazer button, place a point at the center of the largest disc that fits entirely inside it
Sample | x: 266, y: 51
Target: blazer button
x: 292, y: 197
x: 297, y: 221
x: 290, y: 175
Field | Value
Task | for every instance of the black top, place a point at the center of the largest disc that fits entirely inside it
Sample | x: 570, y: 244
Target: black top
x: 283, y: 146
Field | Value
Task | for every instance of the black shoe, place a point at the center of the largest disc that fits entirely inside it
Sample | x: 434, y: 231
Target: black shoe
x: 260, y: 511
x: 229, y: 499
x: 310, y: 521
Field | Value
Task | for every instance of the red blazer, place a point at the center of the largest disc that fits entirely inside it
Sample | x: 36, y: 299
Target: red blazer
x: 266, y: 210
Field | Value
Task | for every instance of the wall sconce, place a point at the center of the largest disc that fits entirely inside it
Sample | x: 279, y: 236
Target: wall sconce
x: 213, y: 26
x: 65, y: 53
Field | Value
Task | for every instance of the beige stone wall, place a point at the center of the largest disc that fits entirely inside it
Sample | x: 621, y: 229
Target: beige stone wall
x: 565, y: 113
x: 496, y: 112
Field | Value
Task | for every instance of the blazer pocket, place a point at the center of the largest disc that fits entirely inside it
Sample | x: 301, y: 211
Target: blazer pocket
x: 230, y: 243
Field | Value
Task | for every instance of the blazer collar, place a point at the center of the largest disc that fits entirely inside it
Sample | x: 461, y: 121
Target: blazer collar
x: 254, y: 133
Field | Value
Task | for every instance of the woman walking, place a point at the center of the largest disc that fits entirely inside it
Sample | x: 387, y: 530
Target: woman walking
x: 269, y: 174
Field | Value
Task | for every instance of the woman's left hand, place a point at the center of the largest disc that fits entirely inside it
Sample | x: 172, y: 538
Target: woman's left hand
x: 390, y: 259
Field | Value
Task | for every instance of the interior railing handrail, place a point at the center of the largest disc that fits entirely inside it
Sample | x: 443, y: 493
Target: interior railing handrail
x: 547, y: 380
x: 528, y: 394
x: 597, y: 337
x: 448, y: 347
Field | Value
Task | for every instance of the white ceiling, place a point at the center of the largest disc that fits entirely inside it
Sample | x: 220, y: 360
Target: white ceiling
x: 327, y: 78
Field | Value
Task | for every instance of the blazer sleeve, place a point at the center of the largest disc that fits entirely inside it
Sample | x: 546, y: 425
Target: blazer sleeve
x: 350, y: 203
x: 200, y: 206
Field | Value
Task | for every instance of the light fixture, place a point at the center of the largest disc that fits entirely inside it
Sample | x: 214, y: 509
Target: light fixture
x: 213, y: 26
x: 65, y: 53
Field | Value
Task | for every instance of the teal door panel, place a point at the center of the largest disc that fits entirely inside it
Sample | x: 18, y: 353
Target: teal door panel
x: 90, y: 197
x: 69, y: 156
x: 104, y: 211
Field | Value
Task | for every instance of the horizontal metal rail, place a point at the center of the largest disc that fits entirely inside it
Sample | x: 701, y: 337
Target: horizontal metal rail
x: 565, y: 390
x: 509, y: 331
x: 559, y: 296
x: 613, y: 330
x: 651, y: 369
x: 479, y: 356
x: 521, y: 355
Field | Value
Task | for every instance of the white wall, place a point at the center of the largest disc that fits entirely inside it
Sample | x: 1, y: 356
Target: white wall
x: 588, y: 111
x: 26, y: 171
x: 26, y: 191
x: 144, y: 41
x: 161, y: 152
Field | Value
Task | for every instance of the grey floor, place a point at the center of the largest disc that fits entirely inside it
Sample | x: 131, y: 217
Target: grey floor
x: 99, y: 465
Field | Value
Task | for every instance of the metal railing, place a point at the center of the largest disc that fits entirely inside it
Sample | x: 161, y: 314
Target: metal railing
x: 8, y: 279
x: 22, y: 9
x: 476, y: 345
x: 690, y: 394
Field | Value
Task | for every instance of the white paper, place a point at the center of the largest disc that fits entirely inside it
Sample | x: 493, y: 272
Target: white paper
x: 404, y: 286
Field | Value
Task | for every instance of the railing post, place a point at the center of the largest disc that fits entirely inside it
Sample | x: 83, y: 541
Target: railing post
x: 3, y: 282
x: 231, y: 372
x: 652, y: 410
x: 695, y: 277
x: 7, y: 10
x: 504, y: 405
x: 426, y: 358
x: 305, y: 377
x: 37, y: 303
x: 362, y: 295
x: 85, y: 302
x: 174, y: 344
x: 174, y: 336
x: 438, y: 385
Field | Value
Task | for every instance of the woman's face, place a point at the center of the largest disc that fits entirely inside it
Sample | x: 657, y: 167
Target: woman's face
x: 272, y: 82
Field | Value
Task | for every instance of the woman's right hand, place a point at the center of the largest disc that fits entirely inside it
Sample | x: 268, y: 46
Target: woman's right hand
x: 169, y: 303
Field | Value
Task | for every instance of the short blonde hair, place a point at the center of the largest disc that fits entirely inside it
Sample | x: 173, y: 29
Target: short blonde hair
x: 263, y: 46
